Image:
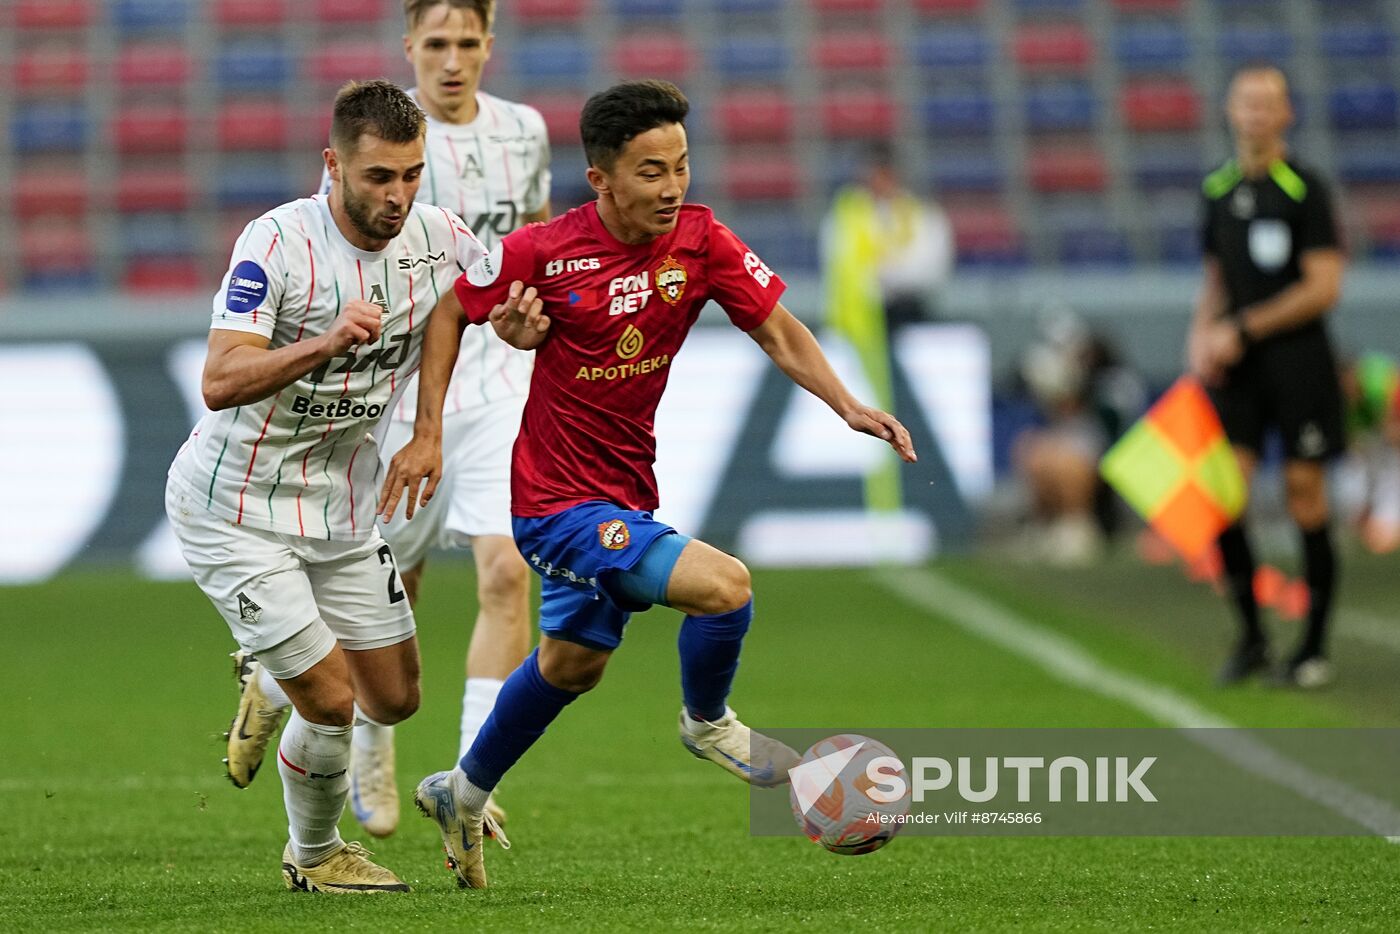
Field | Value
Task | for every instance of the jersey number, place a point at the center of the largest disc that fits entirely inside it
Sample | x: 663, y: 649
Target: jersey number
x: 501, y: 221
x: 388, y: 357
x: 386, y: 556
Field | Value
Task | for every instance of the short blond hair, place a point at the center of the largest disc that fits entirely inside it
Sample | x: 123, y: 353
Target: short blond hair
x: 415, y: 10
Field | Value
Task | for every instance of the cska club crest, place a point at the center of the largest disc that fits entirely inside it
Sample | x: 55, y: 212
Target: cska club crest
x: 670, y: 280
x: 614, y: 535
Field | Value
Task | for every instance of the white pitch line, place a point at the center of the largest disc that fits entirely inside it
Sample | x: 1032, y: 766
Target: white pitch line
x: 1065, y: 660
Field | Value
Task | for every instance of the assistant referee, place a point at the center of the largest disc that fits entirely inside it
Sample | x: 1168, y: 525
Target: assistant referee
x: 1273, y: 269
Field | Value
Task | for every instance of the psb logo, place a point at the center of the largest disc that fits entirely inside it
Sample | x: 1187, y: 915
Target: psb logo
x: 670, y: 280
x: 614, y: 535
x: 630, y: 343
x: 555, y: 266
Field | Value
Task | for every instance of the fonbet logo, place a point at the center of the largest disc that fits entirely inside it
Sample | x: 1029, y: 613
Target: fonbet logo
x: 555, y: 266
x: 629, y: 294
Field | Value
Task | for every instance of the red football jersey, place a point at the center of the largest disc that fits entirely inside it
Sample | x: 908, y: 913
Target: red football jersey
x: 619, y: 314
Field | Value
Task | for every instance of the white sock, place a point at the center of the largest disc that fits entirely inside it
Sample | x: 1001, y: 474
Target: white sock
x: 312, y: 759
x: 477, y: 701
x: 369, y: 735
x: 472, y: 797
x: 273, y: 691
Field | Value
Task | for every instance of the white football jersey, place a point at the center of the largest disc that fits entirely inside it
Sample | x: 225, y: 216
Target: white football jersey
x: 491, y: 172
x: 304, y: 461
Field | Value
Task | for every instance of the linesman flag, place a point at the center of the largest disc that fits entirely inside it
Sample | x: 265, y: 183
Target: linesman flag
x: 1177, y: 469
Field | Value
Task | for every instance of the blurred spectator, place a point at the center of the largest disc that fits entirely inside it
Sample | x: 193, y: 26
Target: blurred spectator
x: 1369, y: 385
x: 1087, y: 399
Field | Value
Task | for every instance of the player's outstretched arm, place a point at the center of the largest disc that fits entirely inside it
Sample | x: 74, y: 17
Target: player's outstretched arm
x: 792, y: 347
x: 520, y: 320
x: 240, y: 369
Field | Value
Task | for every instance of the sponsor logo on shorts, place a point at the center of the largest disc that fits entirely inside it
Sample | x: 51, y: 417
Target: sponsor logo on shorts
x: 630, y: 343
x: 337, y: 408
x: 614, y: 535
x: 248, y: 611
x: 548, y: 569
x: 670, y: 280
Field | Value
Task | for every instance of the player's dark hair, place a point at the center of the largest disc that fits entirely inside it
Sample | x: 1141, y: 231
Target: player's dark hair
x: 414, y: 10
x: 613, y: 117
x: 379, y: 108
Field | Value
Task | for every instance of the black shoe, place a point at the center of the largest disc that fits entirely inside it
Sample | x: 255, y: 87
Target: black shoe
x: 1245, y: 660
x: 1308, y: 672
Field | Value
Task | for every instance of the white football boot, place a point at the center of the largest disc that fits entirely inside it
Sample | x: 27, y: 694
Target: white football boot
x: 757, y: 759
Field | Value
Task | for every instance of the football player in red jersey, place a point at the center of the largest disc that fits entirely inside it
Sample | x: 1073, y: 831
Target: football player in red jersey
x: 606, y: 294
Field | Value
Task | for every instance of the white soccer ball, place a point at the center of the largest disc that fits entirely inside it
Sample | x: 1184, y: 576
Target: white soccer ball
x: 841, y: 799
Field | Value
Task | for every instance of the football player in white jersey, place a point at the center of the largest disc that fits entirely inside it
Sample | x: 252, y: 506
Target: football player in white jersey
x: 317, y: 329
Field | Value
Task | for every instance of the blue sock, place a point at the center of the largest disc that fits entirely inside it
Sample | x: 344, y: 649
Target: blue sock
x: 526, y: 706
x: 709, y: 657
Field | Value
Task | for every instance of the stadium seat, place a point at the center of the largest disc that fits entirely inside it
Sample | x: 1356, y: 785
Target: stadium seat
x: 153, y: 189
x: 1151, y: 45
x: 559, y: 57
x: 648, y: 8
x: 560, y: 112
x: 250, y: 12
x: 349, y: 11
x: 1380, y: 219
x: 770, y: 232
x: 945, y: 7
x: 165, y: 274
x: 1169, y: 104
x: 1179, y: 244
x: 49, y: 127
x: 754, y: 115
x: 1065, y: 169
x: 254, y: 64
x: 951, y: 48
x: 44, y: 191
x: 1370, y: 105
x: 155, y: 234
x: 861, y: 114
x: 965, y: 172
x: 53, y: 14
x: 155, y: 65
x: 986, y: 235
x: 966, y: 111
x: 749, y: 57
x: 150, y: 128
x: 1039, y: 6
x: 51, y: 69
x: 647, y: 55
x: 1094, y: 246
x: 56, y: 248
x: 253, y: 125
x: 1159, y: 168
x: 1149, y: 6
x: 339, y: 62
x: 1371, y: 165
x: 773, y: 177
x: 1052, y: 47
x: 1061, y: 107
x: 1249, y: 43
x: 256, y: 188
x: 150, y: 15
x: 1350, y: 41
x: 555, y: 11
x: 848, y: 51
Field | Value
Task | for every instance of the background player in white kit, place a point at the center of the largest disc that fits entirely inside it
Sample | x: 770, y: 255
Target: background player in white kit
x: 488, y: 161
x: 316, y: 330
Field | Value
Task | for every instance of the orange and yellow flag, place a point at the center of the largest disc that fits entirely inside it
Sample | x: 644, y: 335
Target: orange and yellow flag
x: 1177, y: 469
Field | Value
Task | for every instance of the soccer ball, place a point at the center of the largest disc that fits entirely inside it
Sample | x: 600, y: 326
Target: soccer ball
x: 832, y: 800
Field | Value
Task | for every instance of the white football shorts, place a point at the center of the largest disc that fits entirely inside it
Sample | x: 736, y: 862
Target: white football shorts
x: 269, y: 586
x: 474, y: 495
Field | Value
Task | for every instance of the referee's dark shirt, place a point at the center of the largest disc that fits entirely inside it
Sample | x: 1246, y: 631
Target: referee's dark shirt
x: 1258, y: 228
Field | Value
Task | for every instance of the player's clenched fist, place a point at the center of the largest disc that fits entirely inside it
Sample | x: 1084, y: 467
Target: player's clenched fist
x: 418, y: 462
x: 359, y: 323
x: 520, y: 321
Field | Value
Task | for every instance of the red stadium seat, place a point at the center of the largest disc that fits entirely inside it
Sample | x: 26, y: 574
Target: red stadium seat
x: 250, y: 12
x: 948, y: 6
x: 1067, y: 170
x: 51, y: 69
x: 153, y: 65
x: 50, y: 191
x: 53, y: 14
x: 553, y: 11
x: 847, y: 51
x: 847, y: 6
x: 774, y: 177
x: 142, y: 190
x: 1052, y: 47
x: 165, y: 274
x: 858, y: 115
x: 150, y: 128
x: 253, y: 125
x: 335, y: 63
x: 1167, y: 104
x: 1379, y: 211
x: 55, y: 245
x: 652, y: 56
x: 984, y: 231
x: 755, y: 115
x: 351, y: 11
x: 561, y: 113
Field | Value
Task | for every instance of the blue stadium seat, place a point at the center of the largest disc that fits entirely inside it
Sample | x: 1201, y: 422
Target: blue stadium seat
x: 561, y: 57
x: 1353, y: 40
x: 750, y: 57
x: 259, y: 64
x: 1256, y: 43
x: 1161, y: 168
x: 648, y: 7
x: 1033, y: 6
x: 955, y: 47
x: 1054, y: 107
x: 961, y: 111
x: 257, y: 188
x: 49, y: 127
x: 60, y: 280
x: 1151, y: 45
x: 150, y: 234
x: 1372, y: 105
x: 960, y: 172
x: 1368, y: 165
x: 151, y: 15
x: 1179, y: 244
x: 749, y: 6
x: 1094, y: 246
x: 773, y: 237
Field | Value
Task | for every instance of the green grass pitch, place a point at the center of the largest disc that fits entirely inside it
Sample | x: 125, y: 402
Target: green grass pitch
x: 115, y: 815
